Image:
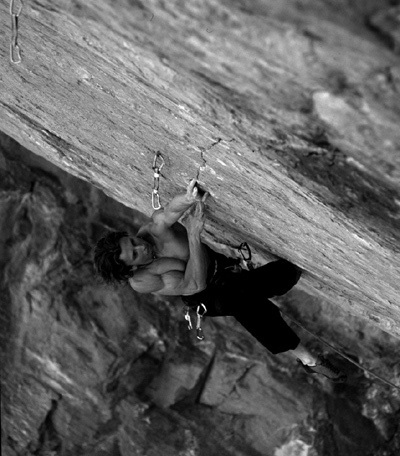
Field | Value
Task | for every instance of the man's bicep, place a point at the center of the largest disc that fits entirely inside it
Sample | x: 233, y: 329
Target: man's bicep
x: 170, y: 283
x: 174, y: 284
x: 146, y: 283
x: 162, y: 219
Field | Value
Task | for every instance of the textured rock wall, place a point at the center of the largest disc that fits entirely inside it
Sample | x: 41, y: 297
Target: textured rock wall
x: 286, y: 111
x: 93, y: 370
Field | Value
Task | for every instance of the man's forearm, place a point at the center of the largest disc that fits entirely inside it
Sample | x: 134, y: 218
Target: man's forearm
x: 196, y: 269
x: 177, y: 207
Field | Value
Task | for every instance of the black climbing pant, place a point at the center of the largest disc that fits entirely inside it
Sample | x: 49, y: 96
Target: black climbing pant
x: 245, y: 294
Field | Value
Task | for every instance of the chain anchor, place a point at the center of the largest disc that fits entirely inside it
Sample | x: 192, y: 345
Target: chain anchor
x: 155, y: 196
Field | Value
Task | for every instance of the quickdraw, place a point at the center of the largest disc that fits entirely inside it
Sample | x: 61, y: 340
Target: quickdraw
x: 15, y: 55
x: 201, y: 310
x: 155, y: 196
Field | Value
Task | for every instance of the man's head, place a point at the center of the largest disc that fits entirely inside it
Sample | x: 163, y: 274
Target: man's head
x: 117, y: 255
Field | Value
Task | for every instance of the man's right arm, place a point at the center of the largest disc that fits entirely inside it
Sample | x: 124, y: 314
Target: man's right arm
x: 174, y: 210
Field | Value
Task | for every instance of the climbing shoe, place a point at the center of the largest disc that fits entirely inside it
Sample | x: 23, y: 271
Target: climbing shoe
x: 324, y: 367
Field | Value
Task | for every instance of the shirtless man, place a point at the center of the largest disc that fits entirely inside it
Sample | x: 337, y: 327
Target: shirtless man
x: 165, y: 258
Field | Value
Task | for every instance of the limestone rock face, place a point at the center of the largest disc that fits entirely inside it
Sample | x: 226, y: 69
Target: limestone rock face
x: 287, y: 112
x: 99, y: 370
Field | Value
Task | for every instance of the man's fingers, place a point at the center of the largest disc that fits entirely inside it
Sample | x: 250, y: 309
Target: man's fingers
x: 197, y: 212
x: 200, y: 206
x: 205, y: 196
x: 191, y: 186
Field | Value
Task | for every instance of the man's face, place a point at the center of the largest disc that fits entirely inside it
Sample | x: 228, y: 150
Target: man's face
x: 135, y: 251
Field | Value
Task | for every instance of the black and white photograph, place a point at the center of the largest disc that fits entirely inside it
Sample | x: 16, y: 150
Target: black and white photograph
x: 200, y: 227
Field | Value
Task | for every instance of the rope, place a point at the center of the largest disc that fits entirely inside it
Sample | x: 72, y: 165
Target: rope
x: 388, y: 382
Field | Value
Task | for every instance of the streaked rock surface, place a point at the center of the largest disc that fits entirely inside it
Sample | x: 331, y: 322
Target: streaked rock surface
x: 287, y: 112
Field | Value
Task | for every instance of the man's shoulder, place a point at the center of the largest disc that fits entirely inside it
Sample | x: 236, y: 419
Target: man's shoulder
x: 151, y: 231
x: 158, y: 228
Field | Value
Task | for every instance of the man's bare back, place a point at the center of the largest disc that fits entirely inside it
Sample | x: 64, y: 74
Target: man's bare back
x: 167, y: 258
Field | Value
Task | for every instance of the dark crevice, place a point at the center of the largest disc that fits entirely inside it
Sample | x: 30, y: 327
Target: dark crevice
x: 204, y: 379
x: 49, y: 441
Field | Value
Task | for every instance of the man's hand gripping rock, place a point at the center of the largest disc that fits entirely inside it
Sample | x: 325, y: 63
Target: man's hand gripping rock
x: 195, y: 217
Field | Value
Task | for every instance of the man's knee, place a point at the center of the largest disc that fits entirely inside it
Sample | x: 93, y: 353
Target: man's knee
x: 292, y: 272
x: 276, y: 277
x: 286, y: 275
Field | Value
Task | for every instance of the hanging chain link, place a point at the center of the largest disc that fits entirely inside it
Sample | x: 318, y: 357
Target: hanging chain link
x: 15, y: 10
x: 155, y: 196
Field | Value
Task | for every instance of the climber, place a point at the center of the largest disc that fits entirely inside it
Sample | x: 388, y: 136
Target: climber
x: 166, y: 259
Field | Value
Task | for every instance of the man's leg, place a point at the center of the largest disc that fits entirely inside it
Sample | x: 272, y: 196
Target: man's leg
x: 243, y: 296
x: 263, y: 320
x: 273, y: 279
x: 316, y: 364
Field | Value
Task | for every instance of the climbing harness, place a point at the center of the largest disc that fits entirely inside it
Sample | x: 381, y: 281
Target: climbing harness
x: 155, y: 196
x: 245, y: 251
x: 15, y: 11
x: 201, y: 310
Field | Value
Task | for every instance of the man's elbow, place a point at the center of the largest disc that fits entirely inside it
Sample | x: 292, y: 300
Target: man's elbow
x: 164, y: 218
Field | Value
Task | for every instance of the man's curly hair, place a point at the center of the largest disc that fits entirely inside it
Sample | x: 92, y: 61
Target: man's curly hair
x: 106, y: 258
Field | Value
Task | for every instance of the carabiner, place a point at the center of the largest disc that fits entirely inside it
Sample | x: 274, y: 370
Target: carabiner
x: 187, y: 318
x: 246, y: 258
x: 155, y: 196
x: 15, y: 55
x: 18, y: 10
x: 155, y: 200
x: 199, y: 331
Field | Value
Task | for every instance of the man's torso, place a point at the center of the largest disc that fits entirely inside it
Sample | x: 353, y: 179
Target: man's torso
x: 172, y: 242
x: 171, y: 249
